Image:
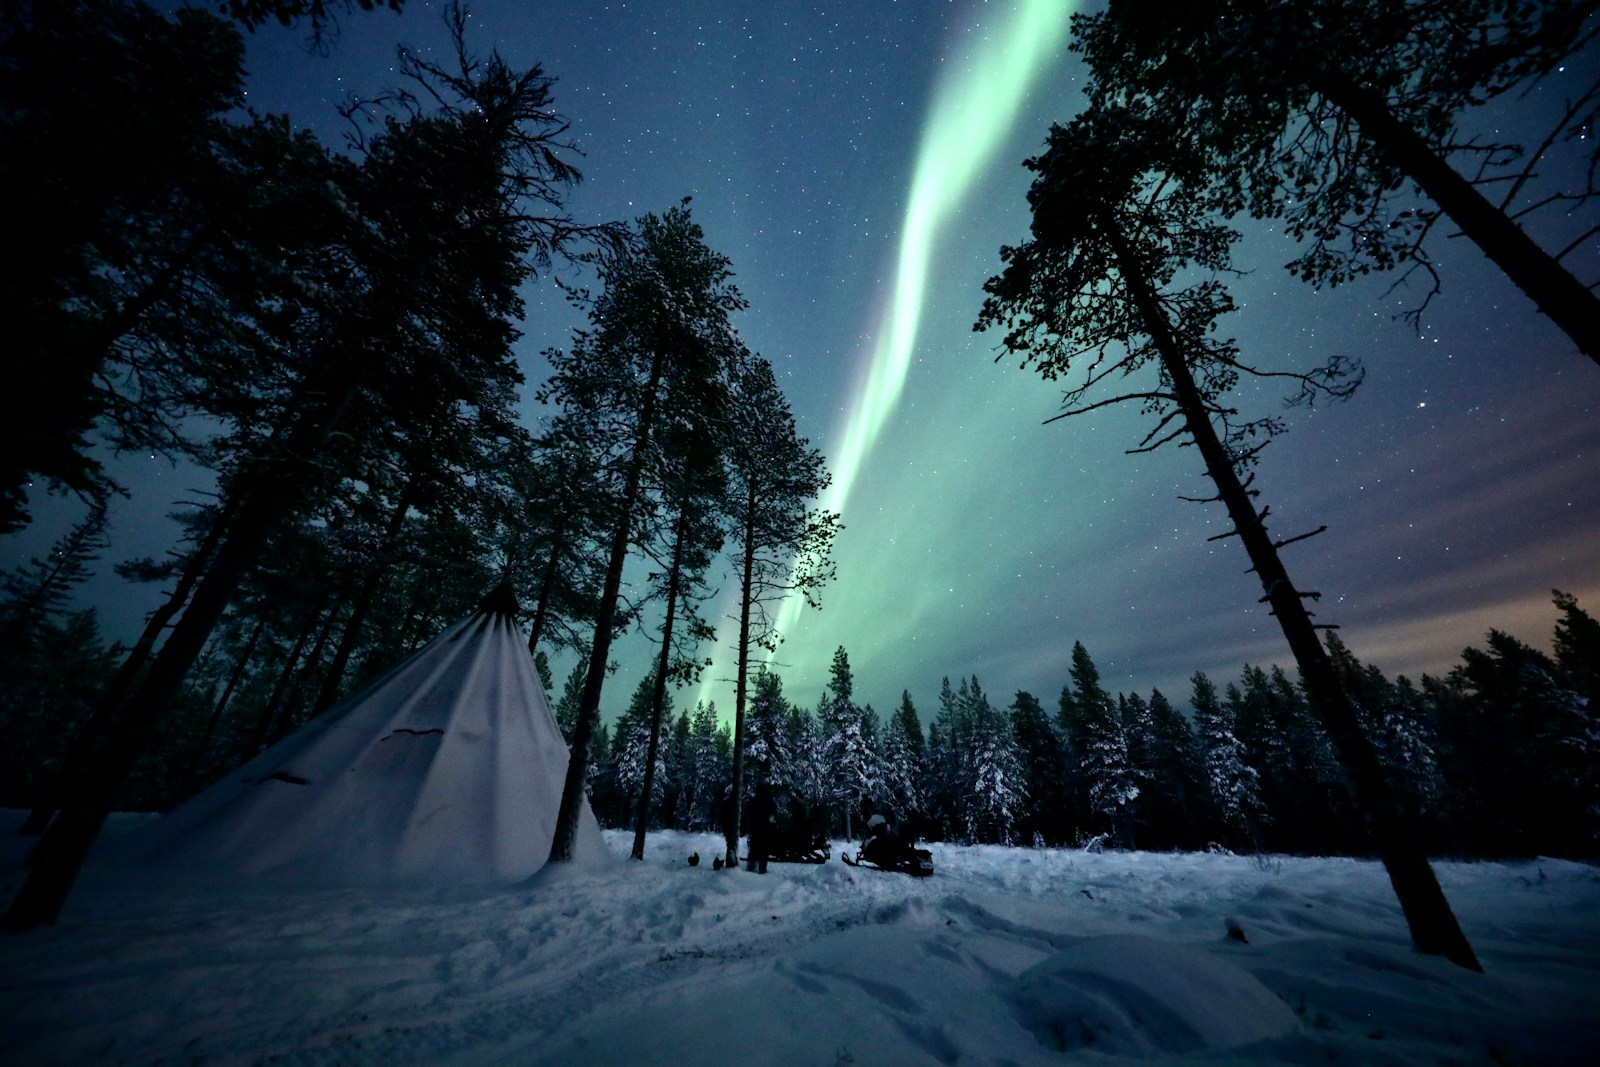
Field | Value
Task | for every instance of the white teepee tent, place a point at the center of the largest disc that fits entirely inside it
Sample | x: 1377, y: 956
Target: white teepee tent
x: 446, y: 770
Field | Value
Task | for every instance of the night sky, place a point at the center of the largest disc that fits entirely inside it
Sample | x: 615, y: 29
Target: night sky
x: 860, y: 163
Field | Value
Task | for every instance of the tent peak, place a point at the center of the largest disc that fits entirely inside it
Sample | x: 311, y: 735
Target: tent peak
x: 501, y: 600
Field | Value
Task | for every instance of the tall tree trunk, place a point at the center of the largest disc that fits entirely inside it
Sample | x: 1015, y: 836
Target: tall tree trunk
x: 1432, y: 923
x: 742, y: 680
x: 363, y: 603
x: 1563, y: 298
x: 660, y: 696
x: 274, y: 490
x: 541, y: 608
x: 291, y: 700
x: 222, y: 701
x: 88, y: 736
x: 572, y: 789
x: 269, y: 711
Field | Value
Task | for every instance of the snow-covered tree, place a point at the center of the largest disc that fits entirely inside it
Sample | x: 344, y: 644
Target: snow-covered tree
x: 703, y: 771
x: 1101, y: 749
x: 769, y: 743
x: 850, y: 762
x: 996, y: 788
x: 903, y: 773
x: 807, y: 767
x: 631, y: 744
x: 1044, y: 771
x: 1176, y: 795
x: 1234, y: 784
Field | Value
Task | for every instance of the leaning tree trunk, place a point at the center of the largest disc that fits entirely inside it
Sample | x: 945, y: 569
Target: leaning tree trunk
x: 572, y: 789
x: 329, y: 692
x: 1432, y: 923
x: 1563, y: 298
x: 234, y: 678
x: 660, y: 696
x: 269, y: 712
x: 292, y: 700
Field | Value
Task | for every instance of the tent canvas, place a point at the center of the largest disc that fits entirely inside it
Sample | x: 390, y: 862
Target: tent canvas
x: 448, y: 769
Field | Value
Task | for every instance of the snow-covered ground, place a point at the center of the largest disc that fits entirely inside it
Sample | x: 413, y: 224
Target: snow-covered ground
x: 1003, y: 957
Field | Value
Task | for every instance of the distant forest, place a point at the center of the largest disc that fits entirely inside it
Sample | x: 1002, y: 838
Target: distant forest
x: 1498, y: 758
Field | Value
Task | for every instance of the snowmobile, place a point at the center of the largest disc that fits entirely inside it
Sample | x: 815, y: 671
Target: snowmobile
x: 797, y: 843
x: 794, y: 837
x: 889, y: 851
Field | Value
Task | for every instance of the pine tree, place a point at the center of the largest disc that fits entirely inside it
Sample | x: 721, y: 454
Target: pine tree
x: 631, y: 744
x: 32, y: 595
x: 1577, y: 646
x: 1300, y: 783
x: 705, y: 771
x: 781, y: 545
x: 1531, y: 748
x: 115, y: 161
x: 849, y: 761
x: 1387, y: 86
x: 1124, y: 273
x: 566, y: 708
x: 770, y: 745
x: 434, y: 243
x: 1070, y: 728
x: 1101, y: 750
x: 658, y: 342
x: 808, y: 769
x: 541, y: 666
x: 1138, y: 725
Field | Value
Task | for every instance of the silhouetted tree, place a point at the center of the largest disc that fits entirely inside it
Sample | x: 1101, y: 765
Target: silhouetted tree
x: 1096, y: 294
x: 781, y: 544
x: 659, y: 332
x: 438, y: 241
x: 1322, y: 113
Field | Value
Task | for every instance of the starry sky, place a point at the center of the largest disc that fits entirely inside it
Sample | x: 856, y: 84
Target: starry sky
x: 860, y: 164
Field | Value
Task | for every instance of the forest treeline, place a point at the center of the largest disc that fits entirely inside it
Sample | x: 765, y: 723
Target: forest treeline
x: 1500, y: 757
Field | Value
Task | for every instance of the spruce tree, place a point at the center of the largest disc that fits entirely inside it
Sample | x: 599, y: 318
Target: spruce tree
x: 1233, y: 782
x: 1176, y: 794
x: 571, y: 699
x: 904, y: 775
x: 1043, y: 767
x: 1577, y: 646
x: 769, y: 742
x: 848, y: 760
x: 996, y: 789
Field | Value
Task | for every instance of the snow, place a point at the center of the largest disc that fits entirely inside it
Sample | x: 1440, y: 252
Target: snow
x: 1003, y: 957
